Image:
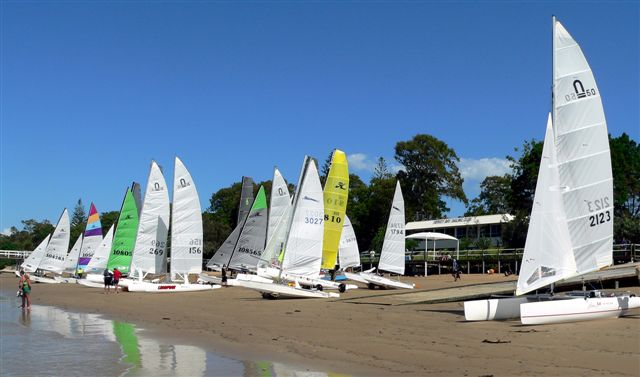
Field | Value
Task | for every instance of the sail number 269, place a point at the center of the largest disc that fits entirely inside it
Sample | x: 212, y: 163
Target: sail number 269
x: 600, y: 218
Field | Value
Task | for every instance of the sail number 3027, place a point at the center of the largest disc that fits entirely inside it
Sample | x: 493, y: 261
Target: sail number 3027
x: 600, y: 218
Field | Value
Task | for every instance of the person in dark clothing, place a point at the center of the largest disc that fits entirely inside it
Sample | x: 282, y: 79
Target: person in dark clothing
x: 224, y: 276
x: 108, y: 276
x: 455, y: 269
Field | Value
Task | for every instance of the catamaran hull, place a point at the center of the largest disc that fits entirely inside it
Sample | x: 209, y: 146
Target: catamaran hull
x: 305, y: 281
x: 355, y: 277
x: 42, y: 279
x: 61, y: 279
x: 203, y: 278
x: 170, y: 287
x: 90, y: 284
x: 273, y: 290
x: 576, y: 309
x: 381, y: 281
x: 494, y: 309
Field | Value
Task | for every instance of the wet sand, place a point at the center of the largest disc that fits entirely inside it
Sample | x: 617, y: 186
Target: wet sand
x: 366, y: 339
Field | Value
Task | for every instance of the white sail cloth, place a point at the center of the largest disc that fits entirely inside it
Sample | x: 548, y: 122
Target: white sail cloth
x: 32, y: 262
x: 101, y: 256
x: 392, y: 254
x: 348, y: 252
x: 57, y: 247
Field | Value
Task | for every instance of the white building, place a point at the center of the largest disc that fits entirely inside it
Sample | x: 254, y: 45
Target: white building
x: 472, y: 227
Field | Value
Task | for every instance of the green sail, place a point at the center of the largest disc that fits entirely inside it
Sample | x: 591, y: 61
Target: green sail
x: 125, y: 237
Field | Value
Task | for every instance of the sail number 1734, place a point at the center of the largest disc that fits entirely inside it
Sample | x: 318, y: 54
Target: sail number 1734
x: 599, y: 218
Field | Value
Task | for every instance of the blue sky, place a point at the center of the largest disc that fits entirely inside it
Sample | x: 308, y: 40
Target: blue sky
x: 92, y: 91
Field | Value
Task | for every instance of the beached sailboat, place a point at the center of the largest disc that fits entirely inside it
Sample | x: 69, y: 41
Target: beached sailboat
x: 223, y: 254
x: 571, y: 227
x: 349, y: 253
x: 392, y: 254
x: 94, y: 278
x: 186, y: 238
x: 335, y: 195
x: 56, y: 251
x: 302, y: 249
x: 92, y: 237
x: 124, y: 237
x: 32, y: 262
x: 150, y: 254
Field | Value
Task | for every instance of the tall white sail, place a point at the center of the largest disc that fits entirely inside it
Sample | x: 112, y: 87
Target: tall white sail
x: 32, y: 262
x: 279, y: 202
x: 303, y: 248
x: 101, y: 256
x: 150, y: 253
x: 71, y: 261
x: 584, y: 160
x: 392, y: 254
x: 275, y: 244
x: 186, y: 224
x: 548, y: 255
x: 348, y: 252
x: 58, y: 245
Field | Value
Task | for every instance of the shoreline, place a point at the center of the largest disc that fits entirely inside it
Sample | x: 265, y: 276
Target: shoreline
x: 364, y: 339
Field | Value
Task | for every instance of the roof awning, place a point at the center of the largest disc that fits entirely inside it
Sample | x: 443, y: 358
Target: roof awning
x: 431, y: 236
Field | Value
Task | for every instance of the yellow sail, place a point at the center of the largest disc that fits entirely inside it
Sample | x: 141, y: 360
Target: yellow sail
x: 336, y: 192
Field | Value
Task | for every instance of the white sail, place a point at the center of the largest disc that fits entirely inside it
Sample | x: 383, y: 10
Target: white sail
x: 71, y: 261
x: 58, y: 245
x: 392, y: 254
x: 149, y: 253
x: 98, y: 262
x: 348, y: 252
x: 279, y: 202
x: 32, y: 262
x: 303, y: 248
x: 584, y: 160
x: 275, y: 244
x: 186, y: 224
x: 548, y: 256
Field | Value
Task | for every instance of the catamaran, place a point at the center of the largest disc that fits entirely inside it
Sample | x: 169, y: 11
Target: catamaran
x: 392, y: 254
x: 302, y: 247
x: 571, y: 227
x: 349, y: 254
x: 55, y: 252
x: 32, y: 262
x: 186, y: 239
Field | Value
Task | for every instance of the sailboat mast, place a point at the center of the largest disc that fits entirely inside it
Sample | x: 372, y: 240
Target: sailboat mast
x: 553, y: 73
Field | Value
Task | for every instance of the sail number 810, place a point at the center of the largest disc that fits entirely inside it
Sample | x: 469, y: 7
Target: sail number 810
x: 600, y: 218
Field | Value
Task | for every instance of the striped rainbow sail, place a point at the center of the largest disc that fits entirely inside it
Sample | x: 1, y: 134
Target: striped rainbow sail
x: 92, y: 238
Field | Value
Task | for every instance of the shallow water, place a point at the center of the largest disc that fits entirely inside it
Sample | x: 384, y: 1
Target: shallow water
x: 47, y: 341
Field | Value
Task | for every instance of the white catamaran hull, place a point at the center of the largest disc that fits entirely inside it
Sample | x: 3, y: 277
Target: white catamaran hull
x: 203, y: 278
x: 90, y: 284
x: 382, y: 281
x: 357, y: 276
x: 42, y: 279
x: 69, y: 280
x: 146, y: 287
x: 494, y: 309
x: 576, y: 309
x: 274, y: 273
x: 278, y: 290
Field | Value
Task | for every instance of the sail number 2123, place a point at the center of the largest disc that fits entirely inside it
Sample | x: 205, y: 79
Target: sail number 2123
x: 600, y: 218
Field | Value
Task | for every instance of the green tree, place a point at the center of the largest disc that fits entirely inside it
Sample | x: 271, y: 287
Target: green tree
x: 79, y: 214
x: 224, y: 204
x: 215, y: 231
x: 625, y: 161
x: 381, y: 171
x: 430, y: 173
x: 107, y: 219
x: 495, y: 192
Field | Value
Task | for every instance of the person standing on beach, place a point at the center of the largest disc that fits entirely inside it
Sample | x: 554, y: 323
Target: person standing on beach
x: 224, y: 275
x: 455, y: 269
x: 25, y: 286
x: 116, y: 278
x: 107, y: 280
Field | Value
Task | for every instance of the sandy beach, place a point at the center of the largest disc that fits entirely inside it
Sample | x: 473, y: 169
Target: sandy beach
x: 366, y: 339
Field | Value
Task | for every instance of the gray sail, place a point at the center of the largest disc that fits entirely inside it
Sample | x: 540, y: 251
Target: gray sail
x: 137, y: 195
x: 246, y: 198
x: 250, y: 245
x: 223, y: 255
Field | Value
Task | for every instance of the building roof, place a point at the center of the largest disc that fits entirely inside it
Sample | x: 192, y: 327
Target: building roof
x: 431, y: 236
x: 459, y: 221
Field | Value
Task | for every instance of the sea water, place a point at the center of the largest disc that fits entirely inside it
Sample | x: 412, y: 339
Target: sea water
x: 48, y: 341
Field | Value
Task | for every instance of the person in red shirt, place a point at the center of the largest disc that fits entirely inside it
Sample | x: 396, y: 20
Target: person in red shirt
x: 116, y: 278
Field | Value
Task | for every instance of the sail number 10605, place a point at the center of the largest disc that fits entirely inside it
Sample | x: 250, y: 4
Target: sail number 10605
x: 600, y: 218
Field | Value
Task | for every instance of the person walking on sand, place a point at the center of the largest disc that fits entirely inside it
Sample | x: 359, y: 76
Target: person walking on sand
x: 116, y: 278
x: 455, y: 270
x: 25, y: 286
x: 107, y: 280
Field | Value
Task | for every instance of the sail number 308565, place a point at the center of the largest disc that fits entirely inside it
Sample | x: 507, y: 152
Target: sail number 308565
x: 599, y: 218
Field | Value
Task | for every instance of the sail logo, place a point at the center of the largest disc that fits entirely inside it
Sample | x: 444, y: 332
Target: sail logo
x: 340, y: 185
x: 579, y: 92
x: 280, y: 191
x: 157, y: 187
x: 184, y: 183
x: 396, y: 208
x: 312, y: 199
